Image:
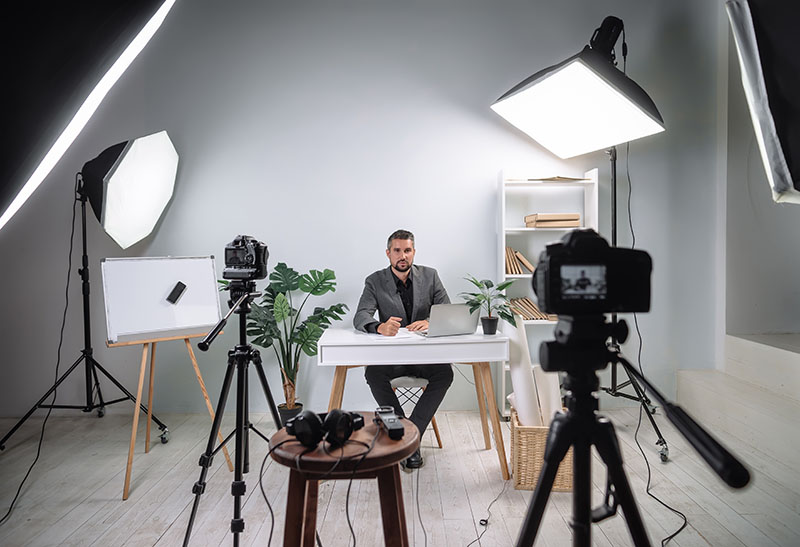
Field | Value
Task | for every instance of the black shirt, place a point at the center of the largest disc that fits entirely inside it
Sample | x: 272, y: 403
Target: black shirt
x: 406, y: 292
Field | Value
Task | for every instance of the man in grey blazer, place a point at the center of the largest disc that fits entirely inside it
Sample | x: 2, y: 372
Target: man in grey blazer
x: 403, y: 294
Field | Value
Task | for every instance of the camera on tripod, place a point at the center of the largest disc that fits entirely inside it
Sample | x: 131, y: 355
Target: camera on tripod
x: 582, y: 275
x: 581, y: 278
x: 245, y: 259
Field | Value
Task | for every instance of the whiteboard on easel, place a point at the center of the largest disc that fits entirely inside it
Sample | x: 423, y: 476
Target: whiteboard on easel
x: 136, y: 292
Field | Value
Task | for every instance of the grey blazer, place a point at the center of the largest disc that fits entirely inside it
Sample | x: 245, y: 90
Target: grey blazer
x: 380, y: 294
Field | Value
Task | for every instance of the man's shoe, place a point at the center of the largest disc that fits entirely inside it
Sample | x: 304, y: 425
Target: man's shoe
x: 414, y: 461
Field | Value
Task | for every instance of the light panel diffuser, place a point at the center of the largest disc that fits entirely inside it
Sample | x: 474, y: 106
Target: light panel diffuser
x: 574, y: 109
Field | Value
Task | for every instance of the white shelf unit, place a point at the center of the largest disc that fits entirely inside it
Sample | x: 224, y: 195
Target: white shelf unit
x: 520, y: 194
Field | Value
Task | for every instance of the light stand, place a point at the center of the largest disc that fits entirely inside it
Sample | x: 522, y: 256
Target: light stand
x: 615, y: 388
x: 582, y: 105
x: 91, y: 365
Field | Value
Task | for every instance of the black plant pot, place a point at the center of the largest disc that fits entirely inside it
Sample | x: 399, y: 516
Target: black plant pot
x: 287, y: 414
x: 489, y: 325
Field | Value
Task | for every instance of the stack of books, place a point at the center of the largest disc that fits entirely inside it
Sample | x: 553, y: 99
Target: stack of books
x: 529, y: 311
x: 515, y: 261
x: 553, y: 220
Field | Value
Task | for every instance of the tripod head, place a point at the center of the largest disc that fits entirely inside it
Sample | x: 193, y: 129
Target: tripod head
x: 580, y: 344
x: 242, y: 293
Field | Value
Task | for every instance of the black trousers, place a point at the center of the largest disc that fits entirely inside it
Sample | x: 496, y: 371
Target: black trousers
x: 439, y: 378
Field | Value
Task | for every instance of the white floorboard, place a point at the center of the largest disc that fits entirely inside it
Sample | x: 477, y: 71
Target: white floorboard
x: 74, y: 495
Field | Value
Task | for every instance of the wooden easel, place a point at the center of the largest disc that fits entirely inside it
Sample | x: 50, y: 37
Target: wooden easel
x: 152, y: 345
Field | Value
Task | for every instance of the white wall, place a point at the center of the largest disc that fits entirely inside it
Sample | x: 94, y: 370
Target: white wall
x: 762, y: 259
x: 321, y: 129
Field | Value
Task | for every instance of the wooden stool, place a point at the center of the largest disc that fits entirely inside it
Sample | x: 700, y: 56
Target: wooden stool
x: 382, y: 463
x: 408, y: 389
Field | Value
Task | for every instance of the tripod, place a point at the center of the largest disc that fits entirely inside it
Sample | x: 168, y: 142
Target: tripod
x: 580, y: 427
x: 580, y: 352
x: 239, y: 360
x: 91, y: 366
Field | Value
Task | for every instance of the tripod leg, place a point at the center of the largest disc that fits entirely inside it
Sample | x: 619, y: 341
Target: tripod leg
x: 102, y: 406
x: 207, y: 456
x: 559, y: 439
x: 246, y: 420
x: 265, y: 386
x: 238, y: 486
x: 40, y: 401
x: 128, y: 394
x: 605, y: 439
x: 645, y: 402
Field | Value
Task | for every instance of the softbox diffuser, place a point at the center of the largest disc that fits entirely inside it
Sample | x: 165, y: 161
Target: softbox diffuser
x: 765, y: 33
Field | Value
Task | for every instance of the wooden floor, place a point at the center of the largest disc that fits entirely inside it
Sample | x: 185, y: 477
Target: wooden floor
x: 74, y: 494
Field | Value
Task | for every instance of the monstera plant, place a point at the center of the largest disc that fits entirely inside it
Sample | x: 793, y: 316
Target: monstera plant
x: 276, y: 321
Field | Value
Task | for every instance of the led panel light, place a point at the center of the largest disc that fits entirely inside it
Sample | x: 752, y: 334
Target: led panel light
x: 130, y: 184
x: 579, y: 106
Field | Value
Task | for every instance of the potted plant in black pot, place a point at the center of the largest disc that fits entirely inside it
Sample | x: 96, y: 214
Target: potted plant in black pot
x: 275, y: 322
x: 492, y: 299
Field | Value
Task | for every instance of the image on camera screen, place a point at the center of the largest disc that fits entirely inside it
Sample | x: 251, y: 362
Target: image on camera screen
x: 583, y: 282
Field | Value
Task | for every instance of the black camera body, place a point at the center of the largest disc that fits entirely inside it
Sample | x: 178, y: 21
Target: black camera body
x: 245, y: 259
x: 582, y: 275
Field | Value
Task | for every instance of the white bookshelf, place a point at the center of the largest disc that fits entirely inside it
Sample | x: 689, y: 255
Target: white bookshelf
x: 520, y: 194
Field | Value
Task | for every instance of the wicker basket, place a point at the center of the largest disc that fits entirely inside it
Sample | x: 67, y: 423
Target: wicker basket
x: 527, y: 457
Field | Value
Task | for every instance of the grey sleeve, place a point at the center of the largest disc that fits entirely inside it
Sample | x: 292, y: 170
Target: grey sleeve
x: 367, y: 306
x: 439, y: 292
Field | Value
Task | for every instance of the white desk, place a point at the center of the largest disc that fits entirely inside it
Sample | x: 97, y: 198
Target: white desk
x: 348, y: 348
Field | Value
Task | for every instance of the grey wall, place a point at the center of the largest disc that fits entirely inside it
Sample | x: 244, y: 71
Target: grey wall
x: 321, y: 129
x: 762, y: 258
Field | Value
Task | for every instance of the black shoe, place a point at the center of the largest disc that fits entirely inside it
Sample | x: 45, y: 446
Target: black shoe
x: 414, y: 461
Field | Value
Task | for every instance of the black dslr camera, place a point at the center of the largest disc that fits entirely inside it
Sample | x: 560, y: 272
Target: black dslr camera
x: 245, y: 259
x: 582, y: 275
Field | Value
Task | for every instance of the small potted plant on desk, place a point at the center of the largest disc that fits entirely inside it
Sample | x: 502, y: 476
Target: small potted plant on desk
x: 275, y: 323
x: 491, y: 298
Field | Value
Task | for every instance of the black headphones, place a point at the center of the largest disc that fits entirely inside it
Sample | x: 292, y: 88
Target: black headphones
x: 335, y: 427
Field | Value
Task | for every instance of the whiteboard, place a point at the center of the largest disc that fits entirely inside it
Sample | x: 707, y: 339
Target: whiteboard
x: 136, y: 290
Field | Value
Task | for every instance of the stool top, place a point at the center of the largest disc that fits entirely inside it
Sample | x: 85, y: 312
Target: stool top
x: 409, y: 382
x: 385, y: 451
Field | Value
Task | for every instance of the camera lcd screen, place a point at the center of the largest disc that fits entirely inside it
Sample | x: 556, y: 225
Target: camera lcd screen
x: 583, y: 282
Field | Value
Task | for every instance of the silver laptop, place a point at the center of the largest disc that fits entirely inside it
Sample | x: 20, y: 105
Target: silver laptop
x: 450, y: 320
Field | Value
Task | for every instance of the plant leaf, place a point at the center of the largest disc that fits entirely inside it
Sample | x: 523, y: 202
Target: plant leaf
x: 284, y: 279
x: 324, y: 317
x: 261, y: 326
x: 318, y: 282
x: 280, y: 308
x: 505, y: 284
x: 306, y: 337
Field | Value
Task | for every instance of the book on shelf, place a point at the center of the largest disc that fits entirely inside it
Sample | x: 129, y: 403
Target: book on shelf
x: 524, y: 261
x: 554, y: 224
x: 537, y: 217
x: 512, y: 263
x: 529, y: 311
x: 550, y: 179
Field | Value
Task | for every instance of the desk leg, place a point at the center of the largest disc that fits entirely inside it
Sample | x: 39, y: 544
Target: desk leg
x: 494, y: 414
x: 310, y: 513
x: 295, y: 501
x: 126, y: 487
x: 479, y: 391
x: 337, y: 389
x: 150, y: 397
x: 393, y: 512
x: 207, y: 399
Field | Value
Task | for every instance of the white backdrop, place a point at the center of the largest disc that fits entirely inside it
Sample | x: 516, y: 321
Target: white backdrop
x: 322, y: 127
